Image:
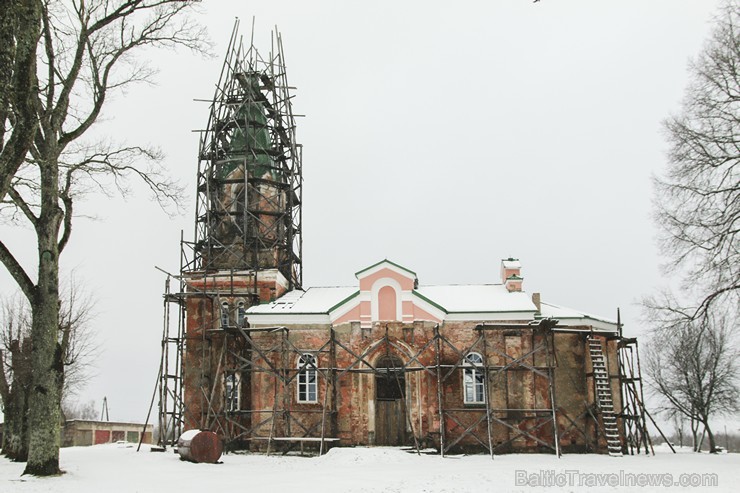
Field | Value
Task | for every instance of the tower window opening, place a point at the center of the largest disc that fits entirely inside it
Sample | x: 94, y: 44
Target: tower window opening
x: 224, y: 314
x: 241, y: 312
x: 232, y: 388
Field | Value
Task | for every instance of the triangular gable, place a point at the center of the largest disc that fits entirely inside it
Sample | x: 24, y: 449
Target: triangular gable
x: 386, y: 293
x: 388, y: 262
x: 404, y: 279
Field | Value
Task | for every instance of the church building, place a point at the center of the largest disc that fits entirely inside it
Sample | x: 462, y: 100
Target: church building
x: 270, y: 364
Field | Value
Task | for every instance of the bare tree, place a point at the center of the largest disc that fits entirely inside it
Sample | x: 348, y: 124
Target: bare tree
x: 698, y: 196
x: 69, y: 55
x: 76, y: 341
x: 77, y: 336
x: 678, y: 421
x: 15, y: 377
x: 692, y: 364
x: 73, y: 409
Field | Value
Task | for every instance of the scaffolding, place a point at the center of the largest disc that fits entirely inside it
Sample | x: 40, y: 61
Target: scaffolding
x: 279, y: 424
x: 248, y: 226
x: 637, y: 438
x: 634, y: 413
x: 537, y: 417
x: 249, y: 181
x: 247, y: 213
x: 263, y: 359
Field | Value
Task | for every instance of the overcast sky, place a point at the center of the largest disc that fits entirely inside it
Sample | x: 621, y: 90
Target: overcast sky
x: 441, y: 135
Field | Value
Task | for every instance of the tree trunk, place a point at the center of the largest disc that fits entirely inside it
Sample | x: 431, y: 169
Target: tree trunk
x: 47, y: 358
x: 695, y: 434
x: 45, y: 413
x: 15, y: 429
x: 712, y: 442
x: 7, y: 58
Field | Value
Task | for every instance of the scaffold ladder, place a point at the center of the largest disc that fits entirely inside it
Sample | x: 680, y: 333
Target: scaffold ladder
x: 604, y: 397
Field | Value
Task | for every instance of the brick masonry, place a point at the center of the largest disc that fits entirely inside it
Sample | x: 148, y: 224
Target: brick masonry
x: 518, y: 396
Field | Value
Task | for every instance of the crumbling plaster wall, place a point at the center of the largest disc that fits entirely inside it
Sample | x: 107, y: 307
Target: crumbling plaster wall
x: 514, y: 393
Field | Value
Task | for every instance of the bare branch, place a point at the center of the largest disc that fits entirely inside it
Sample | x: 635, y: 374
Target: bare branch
x: 158, y: 30
x: 16, y: 271
x: 66, y: 198
x: 698, y: 195
x: 23, y: 206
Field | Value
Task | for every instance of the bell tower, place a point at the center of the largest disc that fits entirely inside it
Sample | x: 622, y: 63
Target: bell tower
x: 248, y: 206
x: 247, y: 243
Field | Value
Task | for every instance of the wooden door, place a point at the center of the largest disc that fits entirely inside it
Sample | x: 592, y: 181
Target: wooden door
x: 390, y: 392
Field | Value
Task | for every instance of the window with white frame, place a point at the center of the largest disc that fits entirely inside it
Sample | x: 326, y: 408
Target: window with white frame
x: 307, y: 374
x: 225, y: 314
x: 474, y: 388
x: 240, y: 314
x: 232, y: 391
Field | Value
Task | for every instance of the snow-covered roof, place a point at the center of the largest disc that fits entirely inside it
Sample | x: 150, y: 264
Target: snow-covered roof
x: 312, y: 300
x: 452, y: 302
x: 471, y: 298
x: 569, y: 316
x: 457, y: 298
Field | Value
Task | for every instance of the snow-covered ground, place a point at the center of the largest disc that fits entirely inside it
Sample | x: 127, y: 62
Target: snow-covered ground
x: 118, y: 467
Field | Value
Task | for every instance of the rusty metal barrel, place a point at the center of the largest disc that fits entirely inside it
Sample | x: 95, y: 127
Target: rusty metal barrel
x: 200, y: 446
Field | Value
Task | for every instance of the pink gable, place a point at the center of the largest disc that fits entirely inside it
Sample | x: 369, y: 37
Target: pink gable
x: 406, y: 282
x: 386, y: 295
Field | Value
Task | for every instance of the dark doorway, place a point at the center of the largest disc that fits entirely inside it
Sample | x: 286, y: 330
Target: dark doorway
x: 390, y: 392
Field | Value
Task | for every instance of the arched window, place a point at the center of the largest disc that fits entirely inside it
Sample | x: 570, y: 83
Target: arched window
x: 224, y: 314
x: 240, y: 314
x: 232, y: 390
x: 474, y: 388
x: 307, y: 384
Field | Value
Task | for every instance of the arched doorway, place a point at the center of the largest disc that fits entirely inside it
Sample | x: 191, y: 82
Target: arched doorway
x: 390, y: 392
